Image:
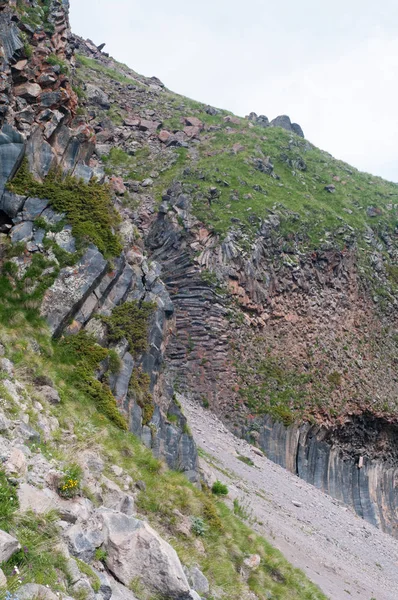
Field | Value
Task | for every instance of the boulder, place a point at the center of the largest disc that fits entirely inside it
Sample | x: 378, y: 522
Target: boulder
x: 134, y: 549
x: 11, y: 203
x: 22, y: 232
x: 8, y: 546
x: 73, y: 285
x: 16, y: 463
x: 33, y: 208
x: 120, y: 592
x: 49, y: 394
x: 34, y: 590
x: 12, y: 148
x: 97, y: 96
x: 83, y: 544
x: 28, y: 91
x: 198, y: 581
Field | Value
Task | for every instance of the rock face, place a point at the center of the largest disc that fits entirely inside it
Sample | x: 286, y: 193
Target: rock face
x: 344, y: 462
x: 12, y: 148
x: 134, y: 550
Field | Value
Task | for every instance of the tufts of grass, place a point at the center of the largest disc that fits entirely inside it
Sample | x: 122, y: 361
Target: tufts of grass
x: 88, y: 206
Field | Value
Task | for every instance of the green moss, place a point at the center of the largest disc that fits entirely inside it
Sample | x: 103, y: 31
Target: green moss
x: 82, y: 351
x: 139, y: 390
x: 130, y: 320
x: 88, y: 206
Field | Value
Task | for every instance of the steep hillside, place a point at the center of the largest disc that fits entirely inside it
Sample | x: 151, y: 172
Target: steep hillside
x: 149, y: 246
x: 280, y: 263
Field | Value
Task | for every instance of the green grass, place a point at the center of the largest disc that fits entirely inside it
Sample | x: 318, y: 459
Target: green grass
x: 114, y: 74
x: 88, y: 206
x: 227, y: 541
x: 38, y: 560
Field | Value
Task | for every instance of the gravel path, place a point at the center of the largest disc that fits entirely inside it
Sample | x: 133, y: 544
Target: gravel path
x: 345, y: 556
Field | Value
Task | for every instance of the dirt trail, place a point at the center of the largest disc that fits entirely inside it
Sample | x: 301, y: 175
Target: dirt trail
x: 345, y: 556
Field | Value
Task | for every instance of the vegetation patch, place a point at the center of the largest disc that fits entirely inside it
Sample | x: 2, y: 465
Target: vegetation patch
x: 130, y: 320
x: 8, y: 502
x: 88, y: 206
x: 86, y: 355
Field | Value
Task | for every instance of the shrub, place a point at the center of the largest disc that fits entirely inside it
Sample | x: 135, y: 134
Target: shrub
x: 198, y: 526
x: 88, y: 206
x: 139, y: 390
x: 69, y: 486
x: 100, y: 554
x: 219, y: 489
x: 82, y: 351
x: 130, y: 321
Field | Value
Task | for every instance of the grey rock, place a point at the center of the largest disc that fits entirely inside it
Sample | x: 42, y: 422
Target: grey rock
x: 49, y: 394
x: 12, y: 148
x: 7, y: 367
x: 97, y: 96
x: 198, y: 581
x: 34, y: 590
x: 33, y: 208
x: 105, y: 584
x: 10, y: 38
x: 120, y: 592
x: 11, y: 203
x: 28, y: 433
x: 82, y: 588
x: 8, y: 546
x: 23, y: 232
x: 83, y: 172
x: 119, y: 383
x: 82, y: 544
x: 3, y: 580
x: 73, y: 285
x: 40, y: 154
x: 134, y: 549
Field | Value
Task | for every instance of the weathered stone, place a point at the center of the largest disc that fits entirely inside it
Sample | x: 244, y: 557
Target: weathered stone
x: 82, y: 544
x: 33, y: 208
x: 198, y: 581
x: 194, y: 122
x: 40, y: 154
x: 12, y: 148
x: 71, y: 288
x: 11, y: 203
x: 120, y: 592
x: 34, y: 590
x: 97, y: 96
x: 164, y: 135
x: 252, y: 562
x: 105, y: 585
x: 134, y: 549
x: 16, y: 463
x: 49, y: 394
x: 29, y: 91
x: 8, y: 546
x: 22, y: 232
x: 3, y: 580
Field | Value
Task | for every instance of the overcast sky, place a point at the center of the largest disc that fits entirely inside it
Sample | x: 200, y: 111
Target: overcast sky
x: 332, y: 66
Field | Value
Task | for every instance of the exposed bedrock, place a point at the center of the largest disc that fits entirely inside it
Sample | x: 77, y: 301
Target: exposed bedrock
x: 356, y: 463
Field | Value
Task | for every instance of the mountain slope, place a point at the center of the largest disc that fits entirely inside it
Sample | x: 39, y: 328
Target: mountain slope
x: 151, y: 245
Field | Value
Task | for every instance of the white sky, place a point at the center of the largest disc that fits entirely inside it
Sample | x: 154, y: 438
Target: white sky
x: 331, y: 65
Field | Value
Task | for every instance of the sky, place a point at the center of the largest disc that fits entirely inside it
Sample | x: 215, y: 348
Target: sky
x: 332, y: 66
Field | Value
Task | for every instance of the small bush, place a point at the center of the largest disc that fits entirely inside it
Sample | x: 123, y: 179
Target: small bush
x: 246, y: 460
x: 69, y: 486
x: 219, y: 489
x: 198, y: 526
x: 130, y: 321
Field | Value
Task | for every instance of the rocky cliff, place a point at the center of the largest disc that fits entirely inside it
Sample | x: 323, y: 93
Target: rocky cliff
x: 170, y: 247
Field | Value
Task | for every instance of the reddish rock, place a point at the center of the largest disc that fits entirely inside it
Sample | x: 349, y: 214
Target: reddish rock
x: 192, y: 131
x: 146, y: 125
x: 164, y: 135
x: 133, y: 122
x: 117, y: 185
x: 193, y: 122
x: 29, y: 91
x: 229, y: 119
